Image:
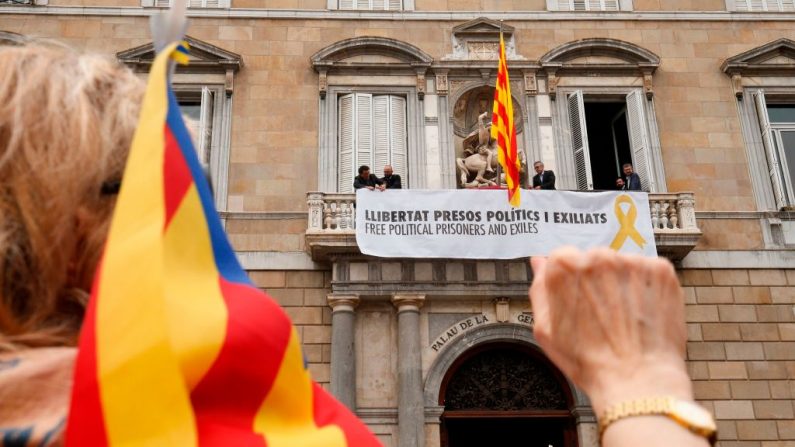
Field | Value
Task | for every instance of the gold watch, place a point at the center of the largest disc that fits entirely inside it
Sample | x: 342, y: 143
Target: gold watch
x: 687, y: 414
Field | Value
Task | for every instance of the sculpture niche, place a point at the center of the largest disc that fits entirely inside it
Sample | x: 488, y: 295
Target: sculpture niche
x: 480, y: 158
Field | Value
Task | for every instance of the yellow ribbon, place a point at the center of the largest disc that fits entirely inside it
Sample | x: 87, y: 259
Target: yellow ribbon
x: 627, y: 222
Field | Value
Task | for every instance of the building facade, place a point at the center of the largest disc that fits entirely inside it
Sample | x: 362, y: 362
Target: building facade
x: 288, y: 97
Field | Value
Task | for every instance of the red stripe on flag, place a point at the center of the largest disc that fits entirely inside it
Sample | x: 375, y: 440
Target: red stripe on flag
x: 86, y: 425
x: 328, y: 411
x: 176, y: 173
x: 227, y: 399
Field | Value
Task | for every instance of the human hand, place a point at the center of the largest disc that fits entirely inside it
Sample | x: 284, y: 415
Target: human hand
x: 370, y: 188
x: 612, y: 323
x: 381, y: 187
x: 536, y: 187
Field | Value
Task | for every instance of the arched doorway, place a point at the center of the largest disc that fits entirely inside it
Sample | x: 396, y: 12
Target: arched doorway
x: 506, y: 394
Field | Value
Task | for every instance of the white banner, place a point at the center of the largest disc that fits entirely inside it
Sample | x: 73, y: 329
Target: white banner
x: 480, y: 224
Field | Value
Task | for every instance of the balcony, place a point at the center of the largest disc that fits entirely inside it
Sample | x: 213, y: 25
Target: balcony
x: 332, y: 224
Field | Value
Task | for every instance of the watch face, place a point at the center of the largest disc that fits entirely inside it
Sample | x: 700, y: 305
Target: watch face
x: 694, y: 415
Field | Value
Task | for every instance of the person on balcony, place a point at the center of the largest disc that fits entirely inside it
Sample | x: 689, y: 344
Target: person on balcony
x: 630, y: 181
x: 367, y: 180
x: 543, y: 179
x: 391, y: 181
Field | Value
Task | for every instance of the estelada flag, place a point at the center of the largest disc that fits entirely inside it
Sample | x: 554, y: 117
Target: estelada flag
x: 503, y: 129
x: 178, y: 348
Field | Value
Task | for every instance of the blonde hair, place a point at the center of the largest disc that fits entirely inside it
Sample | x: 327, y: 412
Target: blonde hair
x: 66, y: 124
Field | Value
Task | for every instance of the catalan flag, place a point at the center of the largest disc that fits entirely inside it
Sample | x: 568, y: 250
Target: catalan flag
x: 178, y: 348
x: 503, y: 129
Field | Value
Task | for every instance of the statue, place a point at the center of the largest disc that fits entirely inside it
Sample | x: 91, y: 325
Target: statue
x: 480, y: 157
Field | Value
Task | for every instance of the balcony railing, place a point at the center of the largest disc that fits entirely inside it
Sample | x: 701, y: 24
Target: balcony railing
x: 332, y: 223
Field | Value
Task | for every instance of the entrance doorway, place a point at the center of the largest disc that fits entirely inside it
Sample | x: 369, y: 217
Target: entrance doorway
x: 504, y: 394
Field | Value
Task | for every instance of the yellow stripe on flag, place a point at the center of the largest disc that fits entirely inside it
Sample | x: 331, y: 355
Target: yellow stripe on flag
x: 286, y: 417
x: 197, y: 314
x: 144, y: 397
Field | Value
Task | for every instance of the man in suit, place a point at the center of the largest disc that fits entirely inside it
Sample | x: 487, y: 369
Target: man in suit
x: 391, y: 181
x: 630, y: 181
x: 367, y: 180
x: 543, y: 179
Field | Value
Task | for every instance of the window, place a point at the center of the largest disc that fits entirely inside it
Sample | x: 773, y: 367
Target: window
x: 764, y: 5
x: 198, y: 107
x: 191, y: 3
x: 589, y: 5
x: 372, y: 131
x: 376, y: 5
x: 777, y: 123
x: 607, y: 132
x: 16, y: 2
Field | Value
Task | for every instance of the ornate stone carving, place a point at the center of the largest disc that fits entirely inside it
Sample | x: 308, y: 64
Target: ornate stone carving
x: 480, y: 157
x: 504, y: 380
x: 648, y: 85
x: 530, y: 84
x: 342, y: 303
x: 552, y: 82
x: 421, y: 84
x: 502, y: 309
x: 442, y: 88
x: 322, y: 83
x: 408, y: 302
x: 483, y: 51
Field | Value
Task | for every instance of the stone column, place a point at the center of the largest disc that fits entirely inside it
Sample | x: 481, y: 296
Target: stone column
x: 411, y: 418
x: 343, y: 356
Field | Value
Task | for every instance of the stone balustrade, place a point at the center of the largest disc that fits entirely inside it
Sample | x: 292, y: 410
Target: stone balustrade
x: 332, y: 223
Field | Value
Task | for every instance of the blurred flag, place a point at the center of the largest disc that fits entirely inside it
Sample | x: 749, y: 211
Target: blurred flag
x: 178, y: 348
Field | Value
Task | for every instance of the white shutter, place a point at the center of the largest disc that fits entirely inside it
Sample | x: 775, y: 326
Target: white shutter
x: 363, y: 4
x: 773, y: 163
x: 364, y: 130
x: 346, y: 132
x: 394, y: 5
x: 345, y: 4
x: 377, y: 5
x: 579, y: 141
x: 162, y: 3
x: 398, y: 137
x: 381, y: 125
x: 205, y: 127
x: 639, y: 140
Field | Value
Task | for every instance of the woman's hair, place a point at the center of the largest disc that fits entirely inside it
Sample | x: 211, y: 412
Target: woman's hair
x: 66, y: 124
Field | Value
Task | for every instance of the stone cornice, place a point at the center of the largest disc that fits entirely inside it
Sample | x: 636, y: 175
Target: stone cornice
x: 306, y: 14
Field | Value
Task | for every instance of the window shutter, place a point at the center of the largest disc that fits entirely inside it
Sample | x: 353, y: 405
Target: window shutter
x: 204, y: 137
x: 162, y: 3
x: 381, y: 125
x: 639, y: 140
x: 364, y: 130
x: 363, y: 4
x: 394, y: 5
x: 346, y: 131
x: 579, y: 141
x: 773, y: 163
x: 588, y: 5
x: 398, y: 137
x: 345, y: 4
x: 378, y: 5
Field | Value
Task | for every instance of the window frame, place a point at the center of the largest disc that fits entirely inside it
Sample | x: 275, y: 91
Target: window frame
x: 220, y: 141
x: 564, y: 154
x: 328, y: 169
x: 759, y: 164
x: 222, y: 4
x: 731, y: 6
x: 623, y: 5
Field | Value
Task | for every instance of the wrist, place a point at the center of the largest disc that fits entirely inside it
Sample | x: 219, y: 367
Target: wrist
x: 641, y: 383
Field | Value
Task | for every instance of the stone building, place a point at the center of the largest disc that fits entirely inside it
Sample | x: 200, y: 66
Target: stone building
x: 289, y: 96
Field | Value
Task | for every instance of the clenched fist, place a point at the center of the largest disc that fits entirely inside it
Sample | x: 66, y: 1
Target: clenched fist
x: 612, y: 323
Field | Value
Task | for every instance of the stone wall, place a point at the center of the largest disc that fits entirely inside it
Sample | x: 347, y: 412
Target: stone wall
x: 741, y: 352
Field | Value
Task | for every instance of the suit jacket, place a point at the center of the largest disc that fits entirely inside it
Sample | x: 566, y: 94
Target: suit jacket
x: 632, y: 183
x: 392, y: 182
x: 361, y: 182
x: 549, y: 180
